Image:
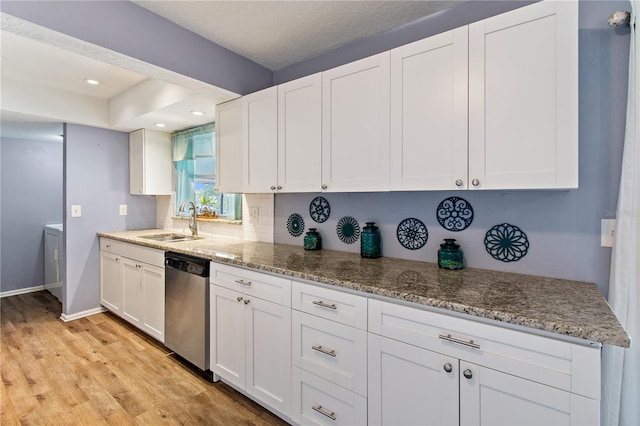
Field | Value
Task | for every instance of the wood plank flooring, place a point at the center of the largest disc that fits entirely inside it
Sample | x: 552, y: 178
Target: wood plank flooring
x: 100, y: 371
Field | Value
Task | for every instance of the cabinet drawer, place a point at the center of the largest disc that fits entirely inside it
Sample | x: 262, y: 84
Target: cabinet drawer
x: 331, y: 350
x: 538, y: 358
x: 344, y: 308
x: 263, y: 286
x: 133, y: 251
x: 319, y: 402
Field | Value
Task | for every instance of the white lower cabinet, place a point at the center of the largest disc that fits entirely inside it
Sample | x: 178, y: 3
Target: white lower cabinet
x: 251, y: 341
x: 132, y: 284
x: 429, y: 368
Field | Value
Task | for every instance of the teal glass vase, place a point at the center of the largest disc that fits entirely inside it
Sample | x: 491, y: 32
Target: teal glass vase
x: 312, y: 240
x: 450, y: 255
x: 370, y: 241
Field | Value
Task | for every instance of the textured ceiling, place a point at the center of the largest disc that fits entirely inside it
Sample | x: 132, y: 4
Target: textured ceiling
x: 276, y: 34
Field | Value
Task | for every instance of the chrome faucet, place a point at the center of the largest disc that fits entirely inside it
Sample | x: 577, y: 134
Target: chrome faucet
x: 194, y: 227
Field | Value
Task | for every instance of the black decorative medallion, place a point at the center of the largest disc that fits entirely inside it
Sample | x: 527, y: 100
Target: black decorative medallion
x: 319, y: 209
x: 506, y: 242
x: 412, y: 234
x: 455, y: 214
x: 348, y: 230
x: 295, y: 224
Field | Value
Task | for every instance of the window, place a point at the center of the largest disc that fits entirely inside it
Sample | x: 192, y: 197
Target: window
x: 194, y: 166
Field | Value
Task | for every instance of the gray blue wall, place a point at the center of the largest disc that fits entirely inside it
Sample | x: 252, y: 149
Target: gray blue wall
x: 96, y: 176
x: 31, y: 185
x: 563, y: 227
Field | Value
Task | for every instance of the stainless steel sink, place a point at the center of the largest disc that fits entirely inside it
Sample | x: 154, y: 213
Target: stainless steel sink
x: 171, y: 238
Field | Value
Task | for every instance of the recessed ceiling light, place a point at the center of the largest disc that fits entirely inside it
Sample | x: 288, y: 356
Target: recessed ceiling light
x: 161, y: 125
x: 91, y: 81
x: 197, y: 112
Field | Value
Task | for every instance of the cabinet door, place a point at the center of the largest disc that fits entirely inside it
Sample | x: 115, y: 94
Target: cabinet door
x: 489, y: 397
x: 228, y: 335
x: 523, y: 98
x: 429, y: 91
x: 268, y: 349
x: 409, y: 385
x: 111, y: 282
x: 153, y: 300
x: 300, y: 134
x: 260, y: 140
x: 229, y: 163
x: 150, y: 162
x: 132, y: 292
x: 355, y: 126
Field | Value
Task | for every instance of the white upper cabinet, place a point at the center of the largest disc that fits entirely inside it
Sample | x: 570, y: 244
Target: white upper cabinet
x: 355, y: 126
x: 149, y: 162
x: 429, y: 90
x: 300, y: 135
x: 260, y: 140
x: 229, y: 162
x: 523, y: 98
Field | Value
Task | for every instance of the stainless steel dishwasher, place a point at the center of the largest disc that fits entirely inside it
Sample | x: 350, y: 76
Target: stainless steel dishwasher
x: 186, y: 309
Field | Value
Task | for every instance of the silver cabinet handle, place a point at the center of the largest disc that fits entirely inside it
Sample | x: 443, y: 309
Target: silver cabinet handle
x: 475, y: 182
x: 279, y: 187
x: 459, y: 182
x: 325, y: 305
x: 324, y: 411
x: 324, y: 186
x: 239, y: 299
x: 448, y: 368
x: 324, y: 350
x: 467, y: 373
x: 246, y: 301
x: 470, y: 343
x: 243, y: 282
x: 273, y: 187
x: 108, y: 246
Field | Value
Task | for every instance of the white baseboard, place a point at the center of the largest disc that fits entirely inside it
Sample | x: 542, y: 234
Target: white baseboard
x: 66, y: 318
x: 21, y: 291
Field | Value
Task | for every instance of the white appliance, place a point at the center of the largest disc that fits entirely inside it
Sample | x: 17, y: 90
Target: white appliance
x: 52, y: 261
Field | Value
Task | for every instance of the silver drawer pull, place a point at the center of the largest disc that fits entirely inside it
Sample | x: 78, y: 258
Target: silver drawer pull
x: 470, y: 343
x: 243, y: 282
x: 325, y: 305
x: 326, y: 351
x: 324, y: 412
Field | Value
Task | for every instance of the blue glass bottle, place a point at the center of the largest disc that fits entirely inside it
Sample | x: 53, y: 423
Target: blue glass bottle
x: 450, y: 256
x: 370, y: 241
x: 312, y: 240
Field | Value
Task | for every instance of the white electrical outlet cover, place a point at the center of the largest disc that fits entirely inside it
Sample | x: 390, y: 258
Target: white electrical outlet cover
x: 123, y: 209
x: 76, y: 210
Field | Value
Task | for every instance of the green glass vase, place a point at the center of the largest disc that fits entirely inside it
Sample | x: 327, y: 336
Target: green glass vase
x: 312, y: 240
x: 370, y: 241
x: 450, y: 256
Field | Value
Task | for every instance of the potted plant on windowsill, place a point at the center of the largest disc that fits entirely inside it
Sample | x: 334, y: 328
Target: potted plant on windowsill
x: 208, y: 207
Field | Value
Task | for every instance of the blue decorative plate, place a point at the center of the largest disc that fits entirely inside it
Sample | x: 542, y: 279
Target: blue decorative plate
x: 454, y: 214
x: 506, y: 242
x: 348, y: 230
x: 319, y: 209
x: 295, y: 224
x: 412, y: 234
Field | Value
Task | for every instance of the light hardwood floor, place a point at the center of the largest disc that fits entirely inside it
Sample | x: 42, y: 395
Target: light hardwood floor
x: 99, y: 370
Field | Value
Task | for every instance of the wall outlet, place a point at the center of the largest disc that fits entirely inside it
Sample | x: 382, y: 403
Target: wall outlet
x: 123, y: 209
x: 607, y: 232
x: 76, y: 210
x: 253, y: 214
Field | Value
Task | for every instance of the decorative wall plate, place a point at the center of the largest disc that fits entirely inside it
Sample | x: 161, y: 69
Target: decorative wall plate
x: 506, y: 242
x: 454, y: 214
x: 412, y: 234
x: 348, y: 230
x: 319, y: 209
x: 295, y: 224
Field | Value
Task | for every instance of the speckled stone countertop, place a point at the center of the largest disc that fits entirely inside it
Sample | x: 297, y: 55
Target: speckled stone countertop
x: 569, y: 308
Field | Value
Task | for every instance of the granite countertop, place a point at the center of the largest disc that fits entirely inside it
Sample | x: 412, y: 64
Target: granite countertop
x: 565, y: 307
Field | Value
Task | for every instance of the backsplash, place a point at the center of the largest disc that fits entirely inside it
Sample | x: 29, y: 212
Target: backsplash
x: 555, y: 236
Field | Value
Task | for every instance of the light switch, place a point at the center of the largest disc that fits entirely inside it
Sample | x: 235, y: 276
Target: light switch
x: 253, y: 214
x: 607, y: 233
x: 76, y: 210
x: 123, y: 209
